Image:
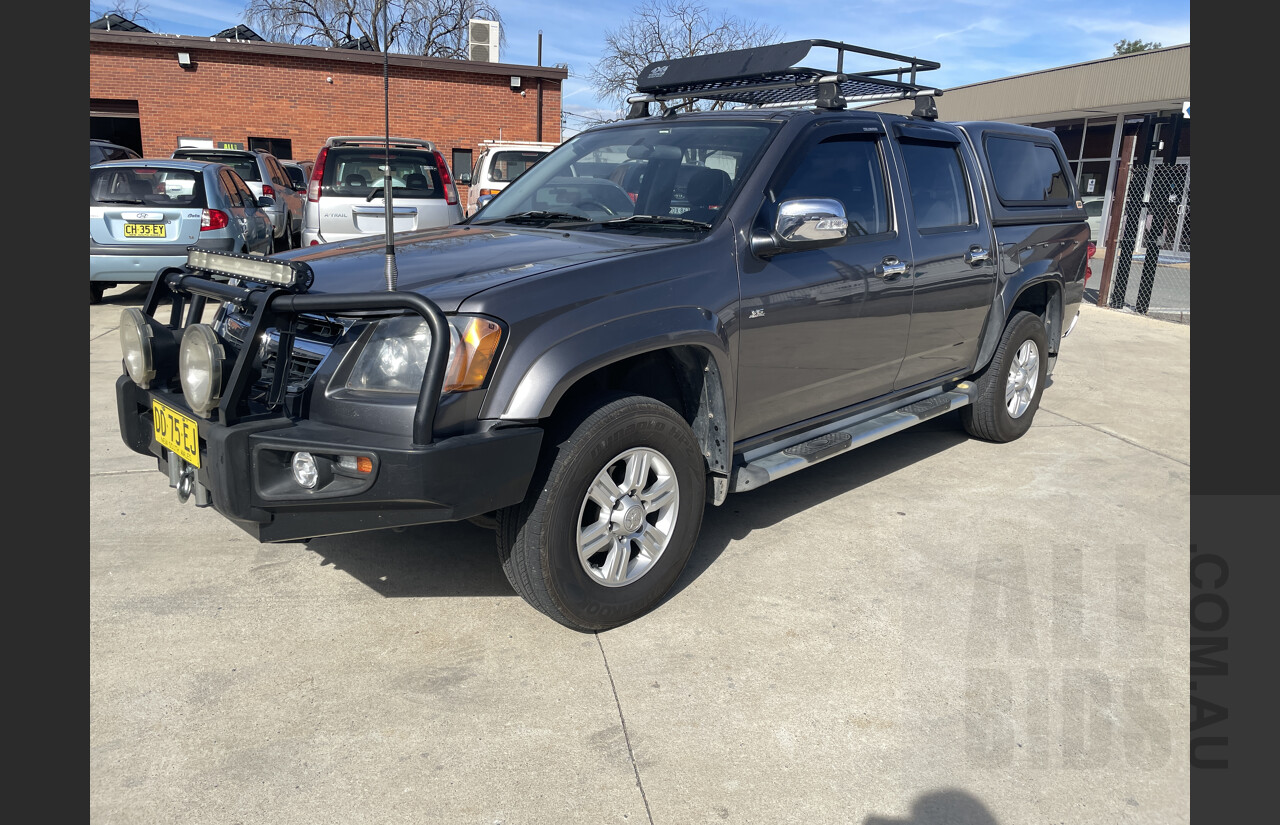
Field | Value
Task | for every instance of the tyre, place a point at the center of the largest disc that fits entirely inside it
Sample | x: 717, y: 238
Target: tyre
x: 611, y: 517
x: 1008, y: 391
x: 286, y: 238
x: 96, y: 291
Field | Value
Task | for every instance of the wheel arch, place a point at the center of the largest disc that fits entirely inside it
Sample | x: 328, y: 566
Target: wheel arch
x: 668, y: 359
x: 1041, y: 295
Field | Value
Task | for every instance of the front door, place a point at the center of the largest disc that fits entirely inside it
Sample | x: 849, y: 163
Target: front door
x: 823, y: 329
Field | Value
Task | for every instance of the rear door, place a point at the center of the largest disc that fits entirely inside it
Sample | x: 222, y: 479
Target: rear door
x: 826, y: 328
x: 954, y: 276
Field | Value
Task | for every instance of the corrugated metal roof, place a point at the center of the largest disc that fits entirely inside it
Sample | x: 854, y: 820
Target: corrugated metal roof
x: 1141, y: 81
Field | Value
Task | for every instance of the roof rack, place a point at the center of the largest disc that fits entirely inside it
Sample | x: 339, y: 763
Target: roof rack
x: 769, y: 76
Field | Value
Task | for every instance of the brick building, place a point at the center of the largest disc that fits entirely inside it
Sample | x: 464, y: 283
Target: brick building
x: 155, y: 91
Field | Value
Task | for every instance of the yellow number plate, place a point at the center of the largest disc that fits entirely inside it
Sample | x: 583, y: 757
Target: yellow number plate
x: 180, y: 433
x: 144, y: 230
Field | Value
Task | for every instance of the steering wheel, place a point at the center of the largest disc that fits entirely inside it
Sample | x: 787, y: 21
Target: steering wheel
x: 595, y: 206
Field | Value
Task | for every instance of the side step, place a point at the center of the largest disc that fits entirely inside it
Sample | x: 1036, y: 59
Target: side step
x: 774, y: 466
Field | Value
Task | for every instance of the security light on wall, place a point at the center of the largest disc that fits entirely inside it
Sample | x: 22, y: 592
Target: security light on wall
x: 515, y: 82
x: 184, y: 60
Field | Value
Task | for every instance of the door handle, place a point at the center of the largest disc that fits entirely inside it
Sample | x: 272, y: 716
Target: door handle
x: 891, y: 268
x: 976, y: 255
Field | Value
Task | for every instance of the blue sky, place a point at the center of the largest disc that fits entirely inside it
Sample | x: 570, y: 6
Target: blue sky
x: 974, y: 40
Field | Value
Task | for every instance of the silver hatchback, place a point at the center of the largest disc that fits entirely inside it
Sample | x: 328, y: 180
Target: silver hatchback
x: 345, y: 196
x: 144, y: 213
x: 265, y: 176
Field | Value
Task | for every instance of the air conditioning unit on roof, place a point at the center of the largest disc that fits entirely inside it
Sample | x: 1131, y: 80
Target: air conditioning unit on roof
x: 482, y: 40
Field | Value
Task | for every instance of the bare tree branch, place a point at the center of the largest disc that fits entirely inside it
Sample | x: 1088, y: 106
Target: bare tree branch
x: 132, y: 10
x: 663, y: 30
x: 433, y: 28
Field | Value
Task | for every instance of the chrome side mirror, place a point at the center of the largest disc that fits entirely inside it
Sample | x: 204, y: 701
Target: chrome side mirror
x: 808, y: 221
x: 803, y: 223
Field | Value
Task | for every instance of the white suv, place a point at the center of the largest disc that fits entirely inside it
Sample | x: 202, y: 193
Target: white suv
x: 497, y: 165
x: 345, y: 194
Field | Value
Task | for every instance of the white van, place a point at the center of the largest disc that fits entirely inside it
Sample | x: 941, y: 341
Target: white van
x: 499, y: 163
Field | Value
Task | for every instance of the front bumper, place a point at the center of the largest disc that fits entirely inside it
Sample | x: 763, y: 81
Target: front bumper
x: 244, y: 471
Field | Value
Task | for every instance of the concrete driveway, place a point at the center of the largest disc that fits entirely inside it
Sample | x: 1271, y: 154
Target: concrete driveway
x: 931, y: 629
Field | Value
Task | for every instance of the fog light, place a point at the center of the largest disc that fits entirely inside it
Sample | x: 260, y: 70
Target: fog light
x: 305, y: 471
x: 136, y: 346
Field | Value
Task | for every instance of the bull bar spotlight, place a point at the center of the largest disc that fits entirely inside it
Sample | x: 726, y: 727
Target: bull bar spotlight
x: 149, y: 349
x: 136, y: 347
x: 200, y: 368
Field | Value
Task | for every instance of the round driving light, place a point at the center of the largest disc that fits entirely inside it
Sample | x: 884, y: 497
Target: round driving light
x: 305, y: 471
x: 136, y: 346
x: 200, y: 368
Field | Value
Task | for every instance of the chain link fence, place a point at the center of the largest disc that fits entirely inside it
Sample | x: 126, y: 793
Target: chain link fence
x: 1147, y: 269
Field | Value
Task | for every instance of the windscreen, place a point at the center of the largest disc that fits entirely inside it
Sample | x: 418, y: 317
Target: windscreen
x: 645, y: 170
x: 507, y: 166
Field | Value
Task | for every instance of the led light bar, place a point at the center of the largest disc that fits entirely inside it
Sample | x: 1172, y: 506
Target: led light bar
x: 294, y: 274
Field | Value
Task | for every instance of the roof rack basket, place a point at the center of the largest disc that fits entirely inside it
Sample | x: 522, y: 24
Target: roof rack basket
x: 769, y: 76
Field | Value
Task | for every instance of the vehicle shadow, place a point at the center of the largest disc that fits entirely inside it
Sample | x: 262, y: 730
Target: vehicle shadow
x: 430, y: 560
x: 126, y: 295
x: 461, y: 559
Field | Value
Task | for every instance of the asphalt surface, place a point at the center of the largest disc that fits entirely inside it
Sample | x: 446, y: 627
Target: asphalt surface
x: 930, y: 629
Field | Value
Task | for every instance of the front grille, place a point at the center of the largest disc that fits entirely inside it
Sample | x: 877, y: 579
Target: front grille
x: 314, y: 338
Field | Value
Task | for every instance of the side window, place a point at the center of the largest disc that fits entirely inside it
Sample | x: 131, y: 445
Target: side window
x: 243, y: 194
x: 297, y: 177
x: 849, y: 169
x: 938, y: 185
x: 246, y: 194
x: 1026, y: 172
x: 230, y: 193
x: 279, y: 177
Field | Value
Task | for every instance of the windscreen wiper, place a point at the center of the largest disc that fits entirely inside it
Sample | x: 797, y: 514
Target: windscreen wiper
x: 658, y: 220
x: 534, y: 216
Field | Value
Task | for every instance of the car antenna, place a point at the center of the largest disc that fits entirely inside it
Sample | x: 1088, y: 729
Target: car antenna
x: 386, y: 165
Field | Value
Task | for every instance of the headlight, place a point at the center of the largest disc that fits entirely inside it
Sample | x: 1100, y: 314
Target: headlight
x: 394, y: 359
x: 135, y: 345
x: 200, y: 368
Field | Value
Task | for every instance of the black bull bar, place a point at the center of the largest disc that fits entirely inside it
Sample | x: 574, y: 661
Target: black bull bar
x: 272, y: 306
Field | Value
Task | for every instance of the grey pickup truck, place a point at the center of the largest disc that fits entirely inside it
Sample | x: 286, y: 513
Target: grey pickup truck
x: 663, y: 311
